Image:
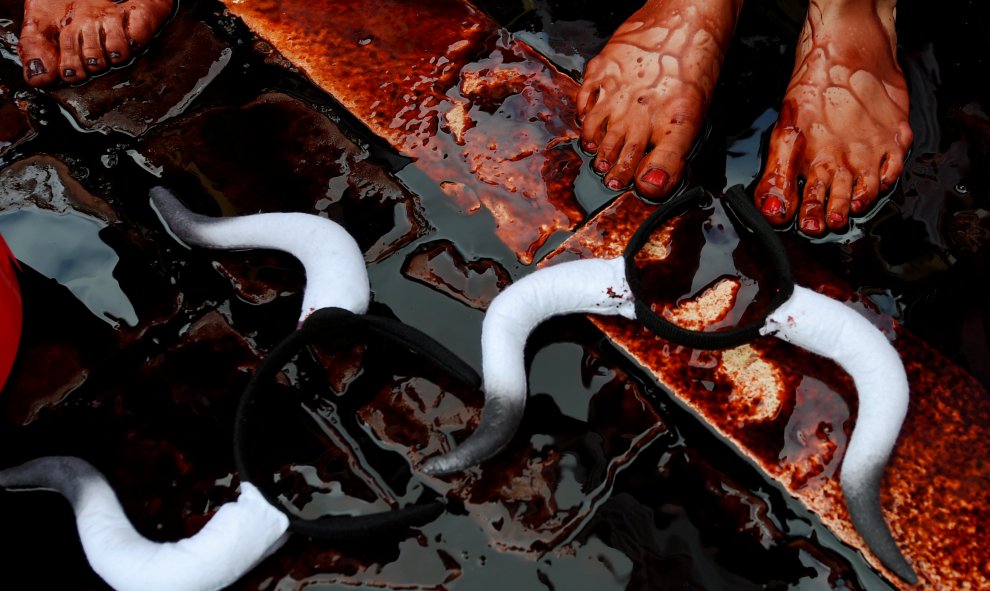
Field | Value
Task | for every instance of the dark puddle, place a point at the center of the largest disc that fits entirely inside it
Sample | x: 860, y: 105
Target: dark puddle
x: 136, y: 348
x: 78, y: 260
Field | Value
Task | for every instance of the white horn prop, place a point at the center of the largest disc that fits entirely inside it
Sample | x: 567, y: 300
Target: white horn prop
x: 238, y: 536
x: 591, y: 286
x: 336, y: 275
x: 831, y: 329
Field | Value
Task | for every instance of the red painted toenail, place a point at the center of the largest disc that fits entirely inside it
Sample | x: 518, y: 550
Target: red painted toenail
x: 35, y: 68
x: 590, y: 146
x: 835, y: 219
x: 856, y: 206
x: 603, y: 166
x: 656, y: 177
x: 810, y: 226
x: 773, y: 206
x: 68, y: 73
x: 614, y: 184
x: 92, y: 61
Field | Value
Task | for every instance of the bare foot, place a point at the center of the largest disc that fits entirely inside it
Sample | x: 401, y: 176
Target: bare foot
x: 843, y: 127
x: 644, y: 96
x: 73, y: 39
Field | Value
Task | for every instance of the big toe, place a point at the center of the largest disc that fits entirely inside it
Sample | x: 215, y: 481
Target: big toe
x: 659, y: 173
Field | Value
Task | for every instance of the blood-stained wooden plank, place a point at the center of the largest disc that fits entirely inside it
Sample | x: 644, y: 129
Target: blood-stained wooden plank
x: 484, y: 115
x: 791, y: 412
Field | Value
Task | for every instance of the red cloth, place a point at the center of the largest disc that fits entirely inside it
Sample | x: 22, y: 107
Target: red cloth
x: 10, y: 311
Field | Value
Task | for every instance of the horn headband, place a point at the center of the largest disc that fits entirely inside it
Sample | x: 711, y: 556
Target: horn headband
x: 803, y: 317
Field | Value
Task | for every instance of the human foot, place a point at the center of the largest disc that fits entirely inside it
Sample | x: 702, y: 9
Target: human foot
x: 644, y: 96
x: 73, y: 39
x: 843, y: 127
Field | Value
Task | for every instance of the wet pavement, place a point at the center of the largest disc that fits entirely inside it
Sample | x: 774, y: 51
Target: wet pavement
x: 449, y: 153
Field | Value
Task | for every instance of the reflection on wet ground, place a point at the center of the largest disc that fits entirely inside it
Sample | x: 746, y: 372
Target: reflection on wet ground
x: 136, y: 348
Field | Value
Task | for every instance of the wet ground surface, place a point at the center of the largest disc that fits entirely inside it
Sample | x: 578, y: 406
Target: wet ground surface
x: 136, y: 349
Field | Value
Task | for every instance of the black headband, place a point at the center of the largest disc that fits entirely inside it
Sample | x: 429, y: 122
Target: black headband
x: 340, y: 322
x: 751, y: 220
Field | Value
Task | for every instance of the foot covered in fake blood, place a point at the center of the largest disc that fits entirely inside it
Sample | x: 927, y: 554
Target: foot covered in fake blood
x: 644, y: 96
x: 74, y: 39
x: 843, y: 127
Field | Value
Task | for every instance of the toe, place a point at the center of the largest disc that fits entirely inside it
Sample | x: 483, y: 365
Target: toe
x: 839, y: 197
x: 593, y: 128
x: 609, y: 150
x: 661, y: 169
x: 866, y: 181
x: 891, y: 167
x: 633, y: 149
x: 866, y: 188
x: 39, y: 54
x: 659, y: 173
x: 70, y: 63
x: 587, y: 95
x: 115, y: 42
x: 94, y: 59
x: 811, y: 216
x: 776, y: 194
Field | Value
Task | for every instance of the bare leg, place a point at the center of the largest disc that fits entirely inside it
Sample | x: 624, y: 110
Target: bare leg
x: 644, y: 96
x: 843, y: 125
x: 73, y: 39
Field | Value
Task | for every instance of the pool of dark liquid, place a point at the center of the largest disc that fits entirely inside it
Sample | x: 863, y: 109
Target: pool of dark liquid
x: 136, y: 348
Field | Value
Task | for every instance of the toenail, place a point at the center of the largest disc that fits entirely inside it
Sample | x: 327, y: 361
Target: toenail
x: 115, y: 55
x: 835, y: 219
x: 603, y: 166
x: 92, y: 61
x: 590, y: 146
x: 35, y: 68
x: 656, y: 177
x: 614, y: 184
x: 68, y: 73
x: 773, y: 206
x: 810, y: 226
x: 857, y: 205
